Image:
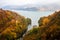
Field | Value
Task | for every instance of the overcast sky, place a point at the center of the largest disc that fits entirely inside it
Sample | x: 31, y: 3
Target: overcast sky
x: 22, y: 2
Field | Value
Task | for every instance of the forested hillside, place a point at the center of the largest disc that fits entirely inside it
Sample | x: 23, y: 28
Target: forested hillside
x: 12, y: 25
x: 48, y: 29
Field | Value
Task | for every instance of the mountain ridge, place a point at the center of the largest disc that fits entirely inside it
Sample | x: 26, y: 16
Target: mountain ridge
x: 34, y: 7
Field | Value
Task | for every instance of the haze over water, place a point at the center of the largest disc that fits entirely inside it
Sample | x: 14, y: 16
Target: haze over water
x: 33, y: 15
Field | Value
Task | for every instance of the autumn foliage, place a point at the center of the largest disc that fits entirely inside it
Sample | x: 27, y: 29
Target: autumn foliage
x: 12, y: 25
x: 48, y: 29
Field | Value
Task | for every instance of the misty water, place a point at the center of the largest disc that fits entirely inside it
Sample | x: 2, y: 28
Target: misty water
x: 33, y: 15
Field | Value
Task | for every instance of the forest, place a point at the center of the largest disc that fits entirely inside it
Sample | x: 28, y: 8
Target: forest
x: 14, y: 26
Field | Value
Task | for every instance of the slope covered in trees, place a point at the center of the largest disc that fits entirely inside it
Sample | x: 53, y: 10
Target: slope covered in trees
x: 12, y: 25
x: 48, y: 29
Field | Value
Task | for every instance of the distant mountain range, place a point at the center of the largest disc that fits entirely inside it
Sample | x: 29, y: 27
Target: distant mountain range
x: 34, y: 7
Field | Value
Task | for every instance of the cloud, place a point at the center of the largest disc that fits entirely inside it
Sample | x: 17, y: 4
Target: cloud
x: 22, y: 2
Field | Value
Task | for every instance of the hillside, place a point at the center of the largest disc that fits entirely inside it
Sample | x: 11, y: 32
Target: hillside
x: 12, y: 25
x: 48, y: 29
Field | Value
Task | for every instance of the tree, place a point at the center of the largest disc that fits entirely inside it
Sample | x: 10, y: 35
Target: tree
x: 28, y: 21
x: 12, y: 25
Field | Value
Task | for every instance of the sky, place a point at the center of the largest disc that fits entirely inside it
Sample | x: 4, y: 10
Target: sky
x: 23, y: 2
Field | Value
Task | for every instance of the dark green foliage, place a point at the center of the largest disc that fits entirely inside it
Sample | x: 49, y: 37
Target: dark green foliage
x: 28, y: 21
x: 34, y: 30
x: 40, y: 21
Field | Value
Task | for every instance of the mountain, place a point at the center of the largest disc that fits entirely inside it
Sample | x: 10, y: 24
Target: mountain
x: 34, y: 7
x: 29, y: 7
